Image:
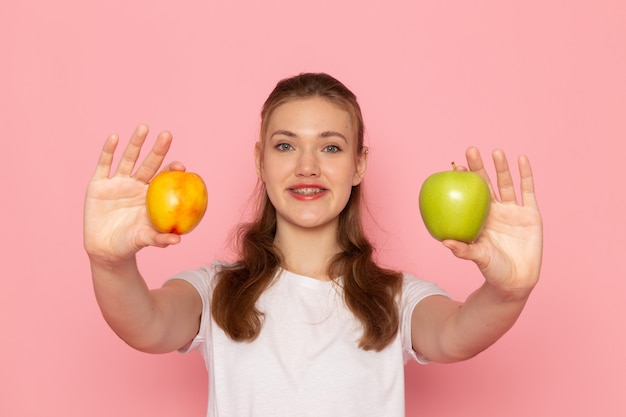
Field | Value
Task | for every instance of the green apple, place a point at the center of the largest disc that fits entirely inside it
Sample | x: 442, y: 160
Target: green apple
x: 454, y: 205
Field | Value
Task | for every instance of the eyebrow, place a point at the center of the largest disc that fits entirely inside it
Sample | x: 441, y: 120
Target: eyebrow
x: 325, y: 134
x: 284, y: 133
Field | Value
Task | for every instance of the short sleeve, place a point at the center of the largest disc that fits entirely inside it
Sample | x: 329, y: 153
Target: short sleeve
x: 414, y: 290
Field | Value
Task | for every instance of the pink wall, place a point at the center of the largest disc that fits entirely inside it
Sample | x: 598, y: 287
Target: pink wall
x: 546, y: 78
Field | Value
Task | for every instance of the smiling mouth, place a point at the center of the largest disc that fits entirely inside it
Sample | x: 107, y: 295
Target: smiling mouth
x: 307, y: 190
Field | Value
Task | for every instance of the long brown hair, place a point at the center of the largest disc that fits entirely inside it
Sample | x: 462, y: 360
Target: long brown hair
x: 370, y: 291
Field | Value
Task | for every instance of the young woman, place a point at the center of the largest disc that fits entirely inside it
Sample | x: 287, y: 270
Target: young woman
x: 305, y: 322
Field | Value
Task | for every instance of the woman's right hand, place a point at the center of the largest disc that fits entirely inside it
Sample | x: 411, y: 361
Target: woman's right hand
x: 116, y: 225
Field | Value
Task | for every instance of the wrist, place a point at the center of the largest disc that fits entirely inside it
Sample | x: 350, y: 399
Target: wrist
x: 506, y: 294
x: 112, y: 262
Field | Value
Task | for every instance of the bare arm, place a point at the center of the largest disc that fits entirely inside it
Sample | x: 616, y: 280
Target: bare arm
x: 116, y: 227
x: 508, y: 253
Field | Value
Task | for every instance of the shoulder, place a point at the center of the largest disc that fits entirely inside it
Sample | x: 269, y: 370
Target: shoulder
x: 202, y: 278
x: 415, y: 289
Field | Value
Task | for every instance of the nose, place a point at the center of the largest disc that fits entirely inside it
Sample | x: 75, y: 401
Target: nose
x: 308, y: 165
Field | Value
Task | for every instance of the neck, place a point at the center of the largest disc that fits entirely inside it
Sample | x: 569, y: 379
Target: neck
x: 307, y: 251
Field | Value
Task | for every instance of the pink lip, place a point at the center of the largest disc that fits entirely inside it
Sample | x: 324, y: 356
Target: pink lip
x: 297, y: 192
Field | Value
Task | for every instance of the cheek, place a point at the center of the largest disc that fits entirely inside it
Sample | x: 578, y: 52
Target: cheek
x: 345, y: 180
x: 274, y: 172
x: 348, y: 173
x: 356, y: 179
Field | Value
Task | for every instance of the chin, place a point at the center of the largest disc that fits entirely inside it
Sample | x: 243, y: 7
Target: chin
x: 311, y: 222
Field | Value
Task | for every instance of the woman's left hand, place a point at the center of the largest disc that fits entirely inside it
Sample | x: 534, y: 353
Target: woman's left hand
x: 508, y: 252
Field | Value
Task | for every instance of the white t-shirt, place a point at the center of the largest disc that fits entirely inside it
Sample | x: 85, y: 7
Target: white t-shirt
x: 306, y: 360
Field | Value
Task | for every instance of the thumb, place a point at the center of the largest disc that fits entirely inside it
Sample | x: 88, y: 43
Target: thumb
x: 152, y: 237
x: 163, y: 240
x: 469, y: 252
x: 459, y: 249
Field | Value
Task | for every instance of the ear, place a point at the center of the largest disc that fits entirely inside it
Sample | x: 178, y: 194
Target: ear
x: 258, y: 160
x: 361, y: 166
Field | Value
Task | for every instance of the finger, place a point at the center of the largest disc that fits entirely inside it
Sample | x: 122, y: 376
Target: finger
x: 154, y: 159
x: 527, y: 184
x: 475, y: 164
x: 131, y: 153
x: 103, y: 167
x: 175, y: 166
x: 506, y: 188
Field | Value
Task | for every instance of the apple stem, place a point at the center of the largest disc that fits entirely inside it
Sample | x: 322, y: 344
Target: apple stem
x: 453, y: 166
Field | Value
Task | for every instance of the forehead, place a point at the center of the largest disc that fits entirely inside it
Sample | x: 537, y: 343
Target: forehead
x: 314, y: 113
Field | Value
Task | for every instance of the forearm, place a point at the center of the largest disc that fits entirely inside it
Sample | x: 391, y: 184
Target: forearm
x: 481, y: 320
x: 125, y: 300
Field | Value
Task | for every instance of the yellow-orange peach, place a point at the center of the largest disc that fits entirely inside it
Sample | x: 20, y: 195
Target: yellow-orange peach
x: 176, y: 201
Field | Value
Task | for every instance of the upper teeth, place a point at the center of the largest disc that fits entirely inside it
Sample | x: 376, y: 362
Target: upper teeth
x: 307, y: 190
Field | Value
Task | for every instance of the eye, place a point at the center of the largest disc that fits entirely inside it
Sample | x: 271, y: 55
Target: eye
x: 283, y: 147
x: 332, y: 149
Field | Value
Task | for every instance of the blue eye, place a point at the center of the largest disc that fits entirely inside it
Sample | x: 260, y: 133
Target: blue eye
x: 284, y: 147
x: 332, y: 149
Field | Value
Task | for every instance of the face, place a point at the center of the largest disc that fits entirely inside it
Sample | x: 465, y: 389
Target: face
x: 309, y: 163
